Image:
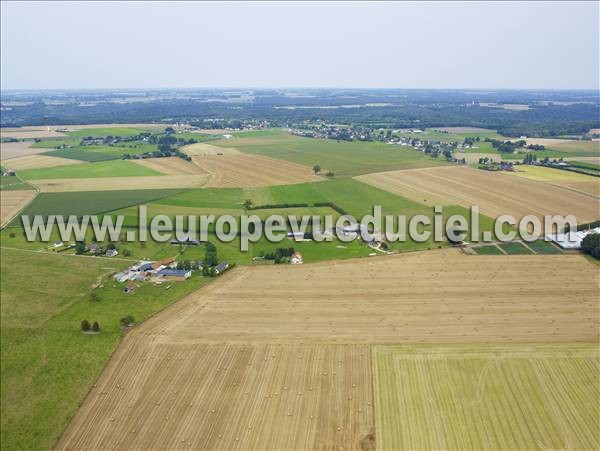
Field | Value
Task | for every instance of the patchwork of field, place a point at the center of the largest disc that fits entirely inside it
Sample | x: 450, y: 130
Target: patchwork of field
x: 38, y: 161
x: 343, y: 158
x: 567, y: 179
x: 278, y: 357
x: 495, y: 193
x: 487, y: 397
x: 170, y: 166
x: 121, y: 183
x: 17, y: 149
x: 11, y: 201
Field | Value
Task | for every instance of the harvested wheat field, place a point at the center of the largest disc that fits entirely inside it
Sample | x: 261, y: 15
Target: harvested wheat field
x: 160, y: 396
x: 495, y: 193
x: 487, y: 397
x: 170, y: 166
x: 434, y: 296
x: 229, y: 168
x: 12, y: 201
x: 18, y: 149
x: 243, y: 171
x: 204, y: 149
x: 271, y: 357
x: 121, y: 183
x: 38, y: 161
x: 29, y: 133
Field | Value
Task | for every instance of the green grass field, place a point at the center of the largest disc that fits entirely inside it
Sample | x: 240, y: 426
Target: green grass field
x: 346, y: 159
x: 110, y: 131
x: 91, y: 202
x: 487, y: 250
x: 514, y: 248
x: 207, y: 198
x: 102, y: 153
x: 51, y: 143
x: 487, y: 397
x: 83, y: 155
x: 585, y: 165
x: 544, y: 247
x: 100, y: 169
x: 47, y: 364
x: 12, y: 182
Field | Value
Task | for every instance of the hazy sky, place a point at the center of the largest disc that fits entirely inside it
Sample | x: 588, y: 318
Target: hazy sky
x: 403, y: 45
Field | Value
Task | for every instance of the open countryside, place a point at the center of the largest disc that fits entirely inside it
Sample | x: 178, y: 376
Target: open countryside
x: 236, y: 319
x: 197, y: 362
x: 338, y: 334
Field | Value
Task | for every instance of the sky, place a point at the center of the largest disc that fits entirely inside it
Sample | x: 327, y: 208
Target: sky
x: 517, y: 45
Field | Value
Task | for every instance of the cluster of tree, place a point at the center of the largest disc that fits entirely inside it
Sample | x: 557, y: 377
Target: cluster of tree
x: 506, y: 146
x: 535, y: 147
x: 589, y: 225
x: 188, y: 265
x: 331, y: 205
x: 395, y: 109
x: 471, y: 141
x: 127, y: 321
x: 80, y: 247
x: 530, y: 158
x: 271, y: 206
x: 86, y: 327
x: 591, y: 245
x: 279, y: 255
x: 211, y: 259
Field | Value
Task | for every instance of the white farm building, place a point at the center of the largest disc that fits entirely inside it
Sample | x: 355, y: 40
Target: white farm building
x: 571, y: 240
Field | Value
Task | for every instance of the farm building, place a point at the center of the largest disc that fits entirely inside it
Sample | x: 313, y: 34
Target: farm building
x: 161, y: 264
x: 186, y: 242
x: 221, y: 267
x: 142, y: 266
x: 94, y: 248
x: 571, y: 240
x: 121, y: 277
x: 175, y: 274
x: 296, y: 235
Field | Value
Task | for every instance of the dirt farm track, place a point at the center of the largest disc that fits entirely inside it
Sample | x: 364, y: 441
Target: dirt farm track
x: 274, y: 357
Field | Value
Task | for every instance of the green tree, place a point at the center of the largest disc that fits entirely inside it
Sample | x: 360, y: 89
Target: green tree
x: 127, y: 320
x: 96, y: 326
x: 85, y: 325
x: 591, y: 245
x: 316, y: 169
x: 247, y: 204
x: 95, y: 297
x: 80, y: 247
